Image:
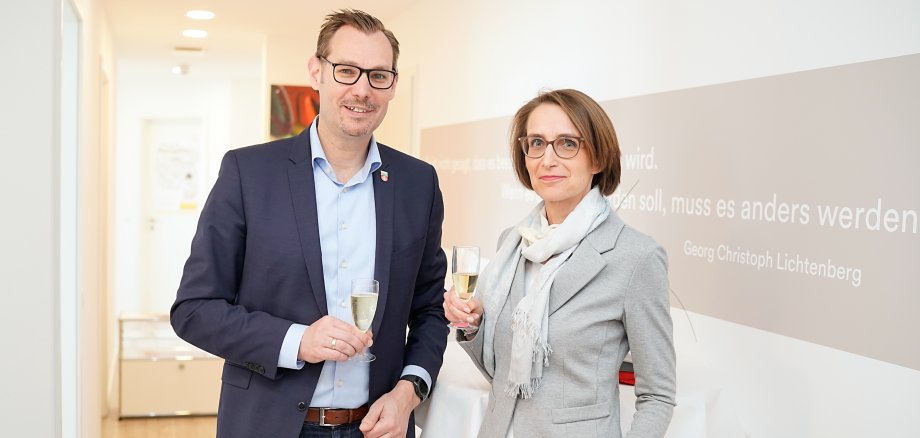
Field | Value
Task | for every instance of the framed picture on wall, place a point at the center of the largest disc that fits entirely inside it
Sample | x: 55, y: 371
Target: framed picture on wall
x: 293, y: 108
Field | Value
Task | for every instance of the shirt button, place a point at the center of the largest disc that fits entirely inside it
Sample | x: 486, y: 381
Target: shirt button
x: 339, y: 383
x: 344, y: 264
x: 343, y: 304
x: 345, y: 190
x: 344, y: 226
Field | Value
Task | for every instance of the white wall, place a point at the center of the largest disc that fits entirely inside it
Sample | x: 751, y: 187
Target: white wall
x: 481, y: 59
x: 97, y: 65
x: 31, y: 40
x: 477, y: 59
x: 785, y: 387
x: 30, y: 35
x: 286, y: 58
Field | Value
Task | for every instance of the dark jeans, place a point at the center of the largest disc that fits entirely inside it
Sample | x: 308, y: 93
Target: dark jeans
x: 311, y: 430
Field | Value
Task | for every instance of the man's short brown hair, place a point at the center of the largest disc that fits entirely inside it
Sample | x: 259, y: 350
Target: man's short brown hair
x: 594, y: 126
x: 360, y: 20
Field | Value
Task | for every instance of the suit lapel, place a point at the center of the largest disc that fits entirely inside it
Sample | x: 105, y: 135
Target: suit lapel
x: 585, y: 263
x: 384, y: 206
x: 303, y: 196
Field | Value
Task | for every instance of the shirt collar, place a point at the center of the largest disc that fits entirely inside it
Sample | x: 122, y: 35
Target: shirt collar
x: 371, y: 163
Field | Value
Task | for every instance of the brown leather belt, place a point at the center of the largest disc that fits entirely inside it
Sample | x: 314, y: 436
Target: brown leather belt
x: 335, y: 417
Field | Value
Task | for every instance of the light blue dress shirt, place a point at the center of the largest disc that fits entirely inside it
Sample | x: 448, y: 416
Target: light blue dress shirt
x: 348, y: 238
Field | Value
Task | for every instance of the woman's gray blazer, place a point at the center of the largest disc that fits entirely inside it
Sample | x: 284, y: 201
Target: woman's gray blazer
x: 611, y: 297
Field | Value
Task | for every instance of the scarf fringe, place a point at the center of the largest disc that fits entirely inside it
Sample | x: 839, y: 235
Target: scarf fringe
x: 521, y: 322
x: 522, y: 390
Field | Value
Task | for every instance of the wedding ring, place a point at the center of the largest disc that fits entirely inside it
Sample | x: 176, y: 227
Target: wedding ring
x: 333, y: 343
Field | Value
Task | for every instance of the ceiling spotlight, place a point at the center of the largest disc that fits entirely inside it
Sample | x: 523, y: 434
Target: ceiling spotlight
x: 194, y: 33
x: 180, y: 70
x: 200, y: 15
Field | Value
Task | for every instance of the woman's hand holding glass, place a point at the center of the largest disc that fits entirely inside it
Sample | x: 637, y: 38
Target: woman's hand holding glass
x: 464, y: 269
x: 458, y: 311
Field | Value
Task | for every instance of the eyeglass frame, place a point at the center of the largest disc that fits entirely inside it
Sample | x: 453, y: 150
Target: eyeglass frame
x: 525, y: 145
x: 366, y: 72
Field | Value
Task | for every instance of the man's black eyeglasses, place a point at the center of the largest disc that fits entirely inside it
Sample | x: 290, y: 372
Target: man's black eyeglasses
x: 347, y: 74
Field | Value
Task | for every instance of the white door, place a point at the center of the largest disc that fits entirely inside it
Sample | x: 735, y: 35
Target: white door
x: 173, y: 198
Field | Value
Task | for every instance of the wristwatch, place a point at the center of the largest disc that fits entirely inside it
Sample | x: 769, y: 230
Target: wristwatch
x: 421, y: 388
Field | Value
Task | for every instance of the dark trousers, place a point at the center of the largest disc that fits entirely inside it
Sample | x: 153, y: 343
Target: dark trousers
x: 312, y: 430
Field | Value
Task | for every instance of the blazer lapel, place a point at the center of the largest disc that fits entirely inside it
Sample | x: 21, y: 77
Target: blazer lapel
x: 585, y: 263
x: 383, y: 204
x: 303, y: 196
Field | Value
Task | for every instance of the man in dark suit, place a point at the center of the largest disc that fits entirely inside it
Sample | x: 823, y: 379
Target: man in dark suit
x: 287, y: 227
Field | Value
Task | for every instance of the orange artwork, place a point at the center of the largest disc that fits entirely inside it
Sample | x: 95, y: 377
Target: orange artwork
x: 293, y: 109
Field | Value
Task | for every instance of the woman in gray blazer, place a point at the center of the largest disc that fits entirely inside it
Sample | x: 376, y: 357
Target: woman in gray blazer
x: 571, y: 290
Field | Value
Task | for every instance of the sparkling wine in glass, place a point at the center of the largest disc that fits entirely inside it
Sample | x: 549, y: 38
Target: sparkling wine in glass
x: 363, y: 306
x: 464, y: 269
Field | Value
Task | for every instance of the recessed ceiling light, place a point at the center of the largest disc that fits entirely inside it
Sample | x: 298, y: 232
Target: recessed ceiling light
x: 194, y: 33
x: 180, y: 70
x: 200, y: 15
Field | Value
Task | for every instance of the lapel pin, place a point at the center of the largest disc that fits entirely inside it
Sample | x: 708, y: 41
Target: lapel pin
x: 384, y: 176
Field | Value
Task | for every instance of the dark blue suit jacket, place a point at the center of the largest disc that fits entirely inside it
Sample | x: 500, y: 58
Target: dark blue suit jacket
x: 256, y: 267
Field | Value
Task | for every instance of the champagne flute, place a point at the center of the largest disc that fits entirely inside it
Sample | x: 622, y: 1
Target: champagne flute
x: 464, y: 269
x: 363, y: 306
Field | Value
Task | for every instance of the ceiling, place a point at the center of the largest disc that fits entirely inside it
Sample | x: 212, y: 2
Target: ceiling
x: 145, y: 32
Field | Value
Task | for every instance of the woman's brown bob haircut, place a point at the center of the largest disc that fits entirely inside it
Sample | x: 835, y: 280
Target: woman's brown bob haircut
x: 360, y: 20
x: 592, y: 123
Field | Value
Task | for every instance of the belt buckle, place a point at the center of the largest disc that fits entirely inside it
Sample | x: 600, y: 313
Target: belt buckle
x: 322, y: 418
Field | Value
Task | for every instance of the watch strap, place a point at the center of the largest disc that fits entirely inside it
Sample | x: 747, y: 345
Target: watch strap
x: 421, y: 388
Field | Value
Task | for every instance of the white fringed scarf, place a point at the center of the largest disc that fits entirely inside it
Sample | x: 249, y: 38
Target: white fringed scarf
x: 548, y: 246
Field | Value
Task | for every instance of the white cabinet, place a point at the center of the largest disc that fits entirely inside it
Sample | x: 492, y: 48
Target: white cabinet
x: 162, y: 374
